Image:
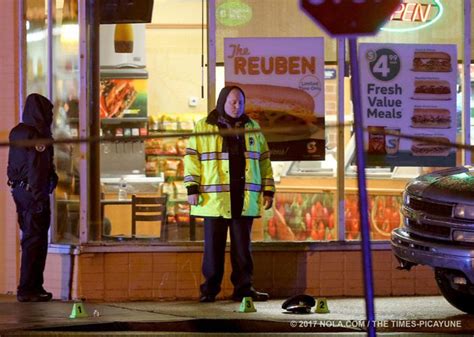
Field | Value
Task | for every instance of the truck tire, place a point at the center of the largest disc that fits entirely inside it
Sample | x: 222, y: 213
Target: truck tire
x: 462, y: 300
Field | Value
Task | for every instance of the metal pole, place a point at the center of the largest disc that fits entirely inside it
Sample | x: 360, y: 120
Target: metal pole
x: 467, y: 81
x: 341, y: 65
x: 49, y: 66
x: 22, y: 50
x: 93, y: 93
x: 361, y: 183
x: 53, y: 229
x: 83, y: 123
x: 89, y: 20
x: 211, y: 54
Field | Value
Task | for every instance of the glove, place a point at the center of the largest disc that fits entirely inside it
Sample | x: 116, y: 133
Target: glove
x: 193, y: 199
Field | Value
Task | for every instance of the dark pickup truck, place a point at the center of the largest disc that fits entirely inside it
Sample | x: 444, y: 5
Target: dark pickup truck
x: 438, y: 231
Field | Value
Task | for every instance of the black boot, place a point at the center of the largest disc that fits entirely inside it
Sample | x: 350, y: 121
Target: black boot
x: 256, y: 296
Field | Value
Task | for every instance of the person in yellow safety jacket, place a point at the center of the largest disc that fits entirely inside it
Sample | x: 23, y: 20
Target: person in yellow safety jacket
x: 228, y: 176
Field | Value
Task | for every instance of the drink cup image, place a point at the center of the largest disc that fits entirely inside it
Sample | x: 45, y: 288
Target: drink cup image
x: 123, y: 38
x: 376, y: 140
x: 392, y: 140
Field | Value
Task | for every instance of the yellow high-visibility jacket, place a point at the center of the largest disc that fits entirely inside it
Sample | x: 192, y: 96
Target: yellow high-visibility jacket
x: 206, y: 169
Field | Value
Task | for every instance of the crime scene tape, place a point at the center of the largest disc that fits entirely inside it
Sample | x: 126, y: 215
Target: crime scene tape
x: 222, y: 132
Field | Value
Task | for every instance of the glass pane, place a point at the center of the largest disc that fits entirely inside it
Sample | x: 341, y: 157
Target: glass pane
x: 295, y: 216
x: 123, y: 113
x: 36, y: 47
x: 417, y: 23
x: 66, y: 122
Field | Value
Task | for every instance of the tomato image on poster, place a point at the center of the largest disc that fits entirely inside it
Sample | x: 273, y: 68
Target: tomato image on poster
x: 311, y: 217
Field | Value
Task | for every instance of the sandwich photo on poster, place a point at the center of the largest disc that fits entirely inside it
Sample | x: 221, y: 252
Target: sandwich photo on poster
x: 123, y: 97
x: 283, y: 82
x: 409, y: 89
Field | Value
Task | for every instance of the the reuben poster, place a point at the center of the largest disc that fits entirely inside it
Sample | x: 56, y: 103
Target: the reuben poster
x: 409, y: 89
x: 283, y: 81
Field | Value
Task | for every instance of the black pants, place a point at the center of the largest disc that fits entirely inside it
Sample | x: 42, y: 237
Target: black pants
x: 34, y: 241
x: 215, y: 236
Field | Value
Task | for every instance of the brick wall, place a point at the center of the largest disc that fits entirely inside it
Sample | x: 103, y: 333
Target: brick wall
x: 9, y: 71
x: 169, y: 276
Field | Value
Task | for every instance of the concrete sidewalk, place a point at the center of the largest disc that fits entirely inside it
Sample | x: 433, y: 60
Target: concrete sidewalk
x: 393, y: 315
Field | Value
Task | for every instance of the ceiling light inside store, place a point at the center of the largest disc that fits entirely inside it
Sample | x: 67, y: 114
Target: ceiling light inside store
x: 70, y: 34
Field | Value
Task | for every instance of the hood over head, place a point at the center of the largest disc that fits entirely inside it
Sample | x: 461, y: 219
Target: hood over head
x: 223, y: 97
x: 38, y: 112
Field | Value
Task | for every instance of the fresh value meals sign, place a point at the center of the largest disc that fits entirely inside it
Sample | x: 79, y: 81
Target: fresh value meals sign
x: 409, y: 89
x: 283, y: 81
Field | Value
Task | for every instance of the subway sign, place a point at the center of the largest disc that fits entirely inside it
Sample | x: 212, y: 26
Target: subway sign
x: 410, y: 16
x: 233, y: 13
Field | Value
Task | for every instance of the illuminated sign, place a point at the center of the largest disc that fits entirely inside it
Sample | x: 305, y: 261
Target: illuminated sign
x: 233, y: 13
x: 417, y: 15
x: 412, y: 12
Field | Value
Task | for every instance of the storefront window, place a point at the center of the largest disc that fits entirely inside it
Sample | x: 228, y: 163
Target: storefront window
x: 153, y: 83
x: 305, y: 202
x: 422, y: 27
x: 65, y: 83
x: 148, y: 87
x: 60, y: 44
x: 416, y: 22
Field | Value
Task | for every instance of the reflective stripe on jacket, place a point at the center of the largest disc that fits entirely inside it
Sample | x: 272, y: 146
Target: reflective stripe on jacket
x: 207, y: 168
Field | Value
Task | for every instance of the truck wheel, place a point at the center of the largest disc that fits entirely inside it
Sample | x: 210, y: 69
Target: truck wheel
x: 462, y: 300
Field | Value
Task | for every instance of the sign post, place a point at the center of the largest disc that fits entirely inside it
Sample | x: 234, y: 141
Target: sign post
x: 352, y: 18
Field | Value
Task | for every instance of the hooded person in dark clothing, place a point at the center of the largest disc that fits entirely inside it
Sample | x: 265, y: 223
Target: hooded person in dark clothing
x: 32, y: 178
x: 228, y: 177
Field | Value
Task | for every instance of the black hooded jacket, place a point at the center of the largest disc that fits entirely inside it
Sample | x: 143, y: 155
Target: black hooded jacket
x: 33, y: 165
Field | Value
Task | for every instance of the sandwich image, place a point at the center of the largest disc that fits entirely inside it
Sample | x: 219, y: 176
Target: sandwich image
x: 432, y: 90
x: 434, y: 118
x: 116, y: 95
x: 431, y: 61
x: 431, y: 146
x: 281, y: 107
